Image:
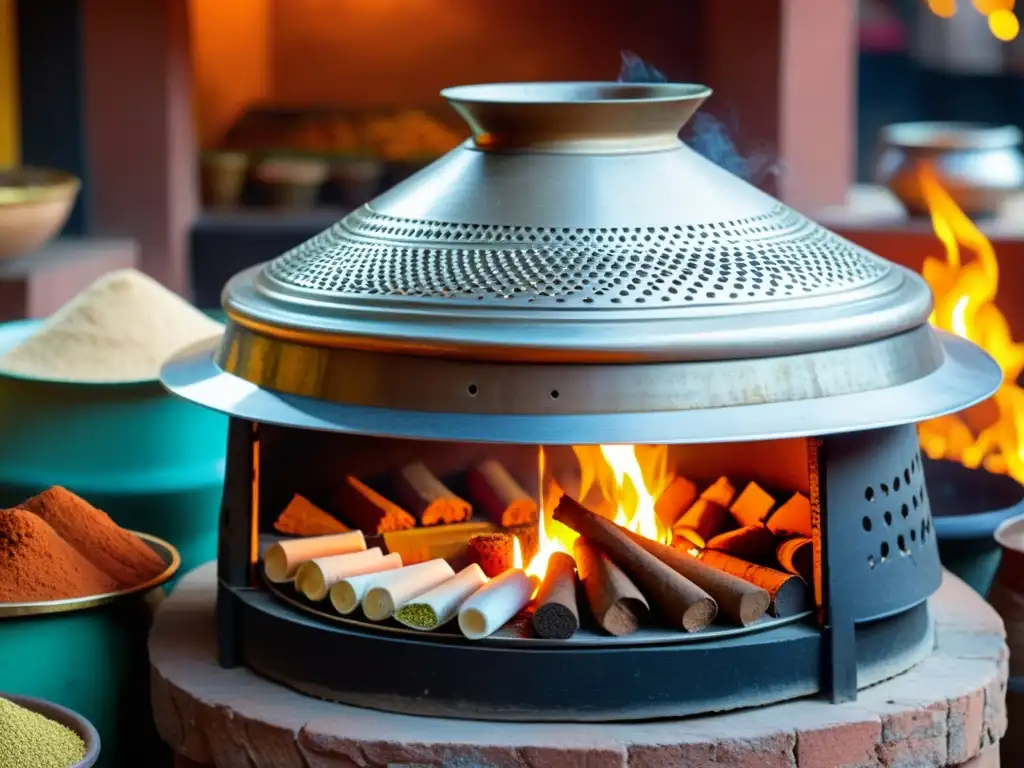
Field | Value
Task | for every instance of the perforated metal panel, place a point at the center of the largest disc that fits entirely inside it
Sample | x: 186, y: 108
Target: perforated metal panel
x: 771, y: 256
x: 877, y: 504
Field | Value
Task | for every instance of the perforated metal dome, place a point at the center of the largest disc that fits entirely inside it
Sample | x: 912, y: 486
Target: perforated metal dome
x: 761, y: 258
x: 575, y: 259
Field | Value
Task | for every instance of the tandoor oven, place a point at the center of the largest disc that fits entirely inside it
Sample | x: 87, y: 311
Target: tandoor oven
x: 672, y: 416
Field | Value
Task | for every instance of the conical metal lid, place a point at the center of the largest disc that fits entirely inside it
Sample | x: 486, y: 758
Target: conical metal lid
x: 574, y: 216
x: 575, y: 258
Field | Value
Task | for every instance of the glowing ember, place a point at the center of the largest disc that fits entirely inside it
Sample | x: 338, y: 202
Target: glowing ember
x: 629, y: 477
x: 989, y: 434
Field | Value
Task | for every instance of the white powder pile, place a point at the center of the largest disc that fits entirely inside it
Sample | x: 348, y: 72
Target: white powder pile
x: 123, y: 327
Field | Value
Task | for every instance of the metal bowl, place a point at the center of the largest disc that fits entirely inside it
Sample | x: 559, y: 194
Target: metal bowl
x: 34, y: 204
x: 68, y: 719
x: 167, y: 553
x: 979, y: 165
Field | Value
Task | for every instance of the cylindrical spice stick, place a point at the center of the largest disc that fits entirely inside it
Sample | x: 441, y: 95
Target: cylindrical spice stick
x: 427, y: 498
x: 368, y: 510
x: 492, y: 488
x: 683, y: 602
x: 348, y: 593
x: 494, y: 552
x: 440, y: 605
x: 740, y: 601
x: 315, y: 577
x: 618, y: 606
x: 396, y: 588
x: 788, y: 592
x: 556, y: 616
x: 753, y: 542
x: 283, y: 559
x: 704, y: 520
x: 674, y: 500
x: 495, y: 603
x: 797, y: 556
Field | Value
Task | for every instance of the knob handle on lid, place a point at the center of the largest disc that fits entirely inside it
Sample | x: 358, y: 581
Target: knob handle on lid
x: 596, y: 118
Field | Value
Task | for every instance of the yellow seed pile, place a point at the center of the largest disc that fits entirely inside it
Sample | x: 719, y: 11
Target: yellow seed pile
x: 28, y: 740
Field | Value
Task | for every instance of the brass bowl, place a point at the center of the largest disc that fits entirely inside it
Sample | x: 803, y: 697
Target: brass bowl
x: 979, y: 165
x: 34, y: 204
x: 167, y: 553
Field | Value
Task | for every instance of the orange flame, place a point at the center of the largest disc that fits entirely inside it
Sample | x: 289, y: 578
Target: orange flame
x: 1002, y: 21
x: 989, y: 434
x: 628, y: 477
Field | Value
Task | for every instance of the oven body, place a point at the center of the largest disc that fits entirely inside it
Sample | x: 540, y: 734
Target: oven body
x: 876, y: 563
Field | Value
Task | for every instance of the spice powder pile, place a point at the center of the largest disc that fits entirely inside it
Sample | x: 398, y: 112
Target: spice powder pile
x: 37, y: 564
x: 103, y: 542
x: 123, y: 327
x: 29, y: 740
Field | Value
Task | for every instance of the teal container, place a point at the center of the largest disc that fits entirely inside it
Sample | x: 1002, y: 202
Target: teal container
x: 152, y: 461
x: 90, y: 656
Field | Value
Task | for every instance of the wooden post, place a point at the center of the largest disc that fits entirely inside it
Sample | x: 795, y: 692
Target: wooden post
x: 784, y: 78
x: 139, y: 130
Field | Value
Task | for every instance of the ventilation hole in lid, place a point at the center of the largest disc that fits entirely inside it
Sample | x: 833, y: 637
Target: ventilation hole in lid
x: 895, y: 484
x: 902, y: 544
x: 372, y: 253
x: 555, y: 394
x: 869, y: 493
x: 885, y: 488
x: 888, y: 517
x: 884, y: 550
x: 906, y: 476
x: 866, y: 522
x: 472, y: 389
x: 905, y: 511
x: 913, y: 534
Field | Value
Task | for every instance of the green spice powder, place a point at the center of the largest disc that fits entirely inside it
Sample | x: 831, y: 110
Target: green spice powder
x: 417, y: 614
x: 28, y: 740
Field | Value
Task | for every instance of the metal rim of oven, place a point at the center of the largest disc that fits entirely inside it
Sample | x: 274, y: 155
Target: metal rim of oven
x: 516, y: 684
x: 966, y: 375
x: 442, y: 634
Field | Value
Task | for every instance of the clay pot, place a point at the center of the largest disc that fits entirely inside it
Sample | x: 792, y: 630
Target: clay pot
x: 291, y: 182
x: 222, y: 177
x: 34, y: 204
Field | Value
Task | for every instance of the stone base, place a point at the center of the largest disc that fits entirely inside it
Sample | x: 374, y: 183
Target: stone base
x: 950, y: 710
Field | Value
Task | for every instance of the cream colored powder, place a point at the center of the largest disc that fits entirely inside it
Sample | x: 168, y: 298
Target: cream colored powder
x: 123, y: 327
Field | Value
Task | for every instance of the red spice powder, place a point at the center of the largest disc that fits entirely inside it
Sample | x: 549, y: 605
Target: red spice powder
x: 36, y: 564
x: 113, y: 550
x: 304, y: 518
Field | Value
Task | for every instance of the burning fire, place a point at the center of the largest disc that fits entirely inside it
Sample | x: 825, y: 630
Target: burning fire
x: 1002, y: 21
x: 629, y: 478
x: 989, y: 434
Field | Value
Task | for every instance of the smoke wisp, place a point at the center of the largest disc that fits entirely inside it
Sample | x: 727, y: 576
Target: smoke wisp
x: 705, y: 134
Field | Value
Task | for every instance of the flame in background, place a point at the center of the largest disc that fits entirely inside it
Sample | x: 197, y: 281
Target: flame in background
x: 628, y: 478
x: 1002, y: 21
x: 989, y: 434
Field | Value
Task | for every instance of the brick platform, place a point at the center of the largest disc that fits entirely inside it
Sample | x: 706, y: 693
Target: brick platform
x: 948, y: 711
